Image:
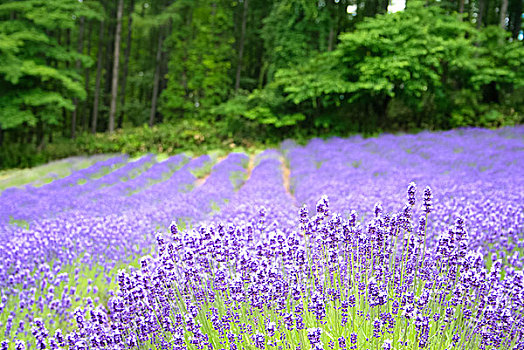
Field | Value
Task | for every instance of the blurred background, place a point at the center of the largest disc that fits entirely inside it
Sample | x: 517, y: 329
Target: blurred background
x: 100, y: 76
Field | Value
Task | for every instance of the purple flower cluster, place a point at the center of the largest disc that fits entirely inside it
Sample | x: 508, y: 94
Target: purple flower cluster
x: 43, y: 266
x: 262, y: 199
x: 21, y: 203
x: 218, y: 287
x: 353, y: 255
x: 474, y: 174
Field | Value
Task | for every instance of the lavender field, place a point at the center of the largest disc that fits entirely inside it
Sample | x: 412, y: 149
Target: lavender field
x: 395, y: 242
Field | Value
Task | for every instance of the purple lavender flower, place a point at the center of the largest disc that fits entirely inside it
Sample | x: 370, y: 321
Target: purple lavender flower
x: 323, y: 206
x: 259, y: 340
x: 386, y: 345
x: 20, y: 345
x: 412, y: 189
x: 342, y: 343
x: 313, y: 334
x: 428, y: 200
x: 173, y: 228
x: 378, y: 209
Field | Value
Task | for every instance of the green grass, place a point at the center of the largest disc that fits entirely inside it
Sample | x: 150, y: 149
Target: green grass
x: 204, y: 170
x: 165, y: 176
x: 238, y: 178
x: 47, y: 173
x: 89, y: 277
x: 20, y: 223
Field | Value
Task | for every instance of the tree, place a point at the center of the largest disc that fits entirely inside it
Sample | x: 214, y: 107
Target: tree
x: 100, y: 58
x: 241, y: 44
x: 503, y: 13
x: 433, y: 67
x: 515, y: 17
x: 79, y: 49
x: 201, y: 58
x: 290, y: 34
x: 35, y: 82
x: 85, y: 110
x: 481, y: 11
x: 116, y: 62
x: 127, y: 55
x: 156, y: 79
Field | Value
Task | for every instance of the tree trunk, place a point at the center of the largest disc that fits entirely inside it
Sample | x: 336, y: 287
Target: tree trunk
x: 503, y: 13
x: 370, y: 8
x: 156, y: 79
x: 515, y: 18
x: 64, y: 111
x: 99, y: 63
x: 189, y: 20
x: 127, y: 53
x: 109, y: 57
x: 29, y: 135
x: 40, y: 139
x: 381, y: 110
x: 79, y: 49
x: 85, y: 111
x: 482, y: 7
x: 109, y: 43
x: 114, y: 84
x: 492, y: 13
x: 68, y: 43
x: 461, y: 6
x: 164, y: 69
x: 331, y: 37
x: 383, y: 6
x: 332, y: 11
x: 241, y: 44
x: 263, y: 71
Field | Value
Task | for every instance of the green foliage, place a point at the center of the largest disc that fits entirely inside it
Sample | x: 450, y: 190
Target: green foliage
x: 289, y: 33
x: 296, y: 30
x: 307, y: 68
x: 196, y: 137
x: 261, y: 106
x: 416, y: 68
x: 45, y: 173
x: 35, y: 81
x: 201, y: 58
x: 405, y: 56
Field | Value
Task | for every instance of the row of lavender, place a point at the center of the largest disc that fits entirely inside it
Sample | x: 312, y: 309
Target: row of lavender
x: 413, y: 276
x: 460, y: 277
x: 476, y: 174
x: 418, y: 276
x: 102, y: 223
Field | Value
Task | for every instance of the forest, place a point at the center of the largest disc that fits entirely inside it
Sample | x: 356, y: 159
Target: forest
x: 98, y: 76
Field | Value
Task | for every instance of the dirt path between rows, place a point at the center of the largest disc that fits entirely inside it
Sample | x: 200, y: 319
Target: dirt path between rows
x: 286, y: 176
x: 200, y: 181
x: 286, y: 173
x: 250, y: 167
